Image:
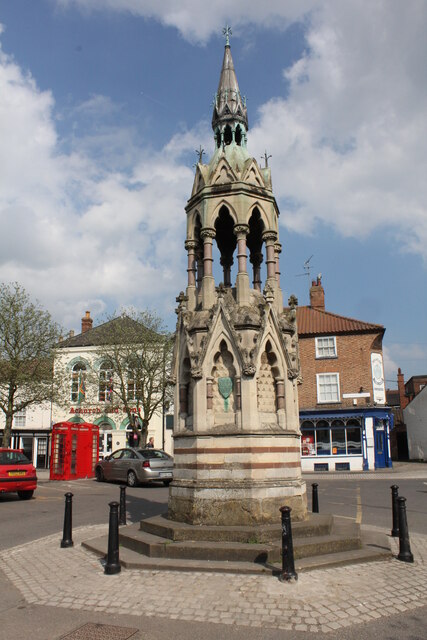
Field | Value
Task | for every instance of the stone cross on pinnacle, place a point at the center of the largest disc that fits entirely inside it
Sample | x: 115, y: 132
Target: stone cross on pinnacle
x: 266, y: 157
x: 200, y: 152
x: 227, y: 33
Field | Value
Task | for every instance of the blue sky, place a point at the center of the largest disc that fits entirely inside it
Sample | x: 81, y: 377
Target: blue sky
x: 103, y: 103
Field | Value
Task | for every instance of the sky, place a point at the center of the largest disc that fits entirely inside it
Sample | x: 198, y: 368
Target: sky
x: 104, y: 102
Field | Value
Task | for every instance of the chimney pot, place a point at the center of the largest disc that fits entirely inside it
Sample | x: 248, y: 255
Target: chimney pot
x: 402, y: 391
x: 317, y: 295
x: 87, y: 322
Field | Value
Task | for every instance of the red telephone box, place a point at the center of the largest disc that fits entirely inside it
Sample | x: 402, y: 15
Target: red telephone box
x: 74, y: 450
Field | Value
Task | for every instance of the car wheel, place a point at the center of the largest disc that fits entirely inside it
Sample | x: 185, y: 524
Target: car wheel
x: 167, y: 482
x: 99, y: 474
x: 132, y: 479
x: 25, y: 495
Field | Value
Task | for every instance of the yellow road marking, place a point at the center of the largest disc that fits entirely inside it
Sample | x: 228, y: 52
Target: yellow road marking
x: 359, y: 507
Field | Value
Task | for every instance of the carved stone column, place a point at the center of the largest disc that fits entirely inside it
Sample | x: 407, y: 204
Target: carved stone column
x: 242, y: 281
x: 191, y: 246
x: 183, y: 398
x: 209, y: 393
x: 279, y: 294
x: 256, y: 260
x: 280, y: 393
x: 226, y: 263
x: 277, y: 252
x: 208, y: 283
x: 270, y: 238
x: 199, y: 261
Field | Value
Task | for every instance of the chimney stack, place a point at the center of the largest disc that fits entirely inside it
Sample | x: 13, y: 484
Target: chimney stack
x: 401, y: 387
x: 317, y: 294
x: 87, y: 322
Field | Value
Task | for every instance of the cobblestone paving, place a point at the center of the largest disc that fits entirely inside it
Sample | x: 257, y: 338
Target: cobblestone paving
x: 321, y: 600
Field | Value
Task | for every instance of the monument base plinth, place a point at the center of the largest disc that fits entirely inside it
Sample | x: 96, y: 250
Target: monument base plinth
x: 235, y: 503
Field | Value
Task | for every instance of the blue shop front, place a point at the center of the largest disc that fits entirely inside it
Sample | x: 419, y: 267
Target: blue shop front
x: 346, y: 440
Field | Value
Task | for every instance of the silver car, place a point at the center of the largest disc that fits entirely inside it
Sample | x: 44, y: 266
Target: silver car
x: 136, y: 465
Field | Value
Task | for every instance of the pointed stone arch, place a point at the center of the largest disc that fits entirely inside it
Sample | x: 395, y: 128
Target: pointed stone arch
x: 226, y: 242
x: 254, y: 242
x: 267, y: 380
x: 223, y: 174
x: 220, y: 331
x: 223, y: 375
x: 229, y: 207
x: 252, y: 175
x: 258, y: 206
x: 271, y: 344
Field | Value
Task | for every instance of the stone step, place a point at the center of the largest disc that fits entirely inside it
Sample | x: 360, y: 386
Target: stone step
x: 375, y: 548
x: 156, y: 546
x: 315, y: 525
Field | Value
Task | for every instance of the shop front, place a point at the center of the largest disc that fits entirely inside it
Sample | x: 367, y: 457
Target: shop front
x: 34, y: 443
x: 339, y: 440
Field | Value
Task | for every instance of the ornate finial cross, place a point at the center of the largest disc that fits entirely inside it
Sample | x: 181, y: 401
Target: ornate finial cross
x: 227, y: 33
x: 200, y: 152
x: 266, y: 157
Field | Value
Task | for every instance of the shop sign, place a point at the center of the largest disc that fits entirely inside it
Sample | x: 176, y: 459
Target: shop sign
x: 378, y: 378
x: 98, y: 410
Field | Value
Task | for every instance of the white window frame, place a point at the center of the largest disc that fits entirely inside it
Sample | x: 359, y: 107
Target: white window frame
x: 106, y: 376
x: 74, y: 385
x: 319, y: 376
x: 20, y: 418
x: 320, y: 355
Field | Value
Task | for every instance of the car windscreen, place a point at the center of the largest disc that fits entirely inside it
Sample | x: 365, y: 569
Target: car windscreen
x: 151, y: 454
x: 13, y: 457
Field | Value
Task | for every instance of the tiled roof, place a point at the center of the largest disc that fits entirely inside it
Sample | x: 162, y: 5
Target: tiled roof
x: 102, y: 333
x: 317, y: 321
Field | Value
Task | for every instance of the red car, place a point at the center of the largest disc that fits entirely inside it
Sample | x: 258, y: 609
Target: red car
x: 17, y: 474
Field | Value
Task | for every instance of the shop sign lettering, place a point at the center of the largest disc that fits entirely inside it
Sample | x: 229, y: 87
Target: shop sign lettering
x: 92, y: 410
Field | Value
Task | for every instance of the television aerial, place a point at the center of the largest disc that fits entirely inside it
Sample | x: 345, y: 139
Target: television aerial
x: 306, y: 267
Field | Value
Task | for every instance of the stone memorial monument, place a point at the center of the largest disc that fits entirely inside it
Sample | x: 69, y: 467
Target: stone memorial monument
x: 236, y: 364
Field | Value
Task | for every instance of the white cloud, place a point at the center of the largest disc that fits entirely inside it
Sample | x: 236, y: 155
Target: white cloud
x: 197, y: 20
x: 348, y: 147
x: 79, y: 233
x: 348, y: 143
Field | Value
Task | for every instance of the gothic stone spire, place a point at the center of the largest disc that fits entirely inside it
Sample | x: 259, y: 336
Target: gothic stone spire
x: 229, y: 106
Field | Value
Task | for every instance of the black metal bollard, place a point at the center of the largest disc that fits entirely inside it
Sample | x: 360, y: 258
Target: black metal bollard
x: 67, y: 540
x: 122, y: 510
x: 288, y: 565
x: 394, y: 496
x: 314, y: 498
x: 404, y: 548
x: 112, y: 565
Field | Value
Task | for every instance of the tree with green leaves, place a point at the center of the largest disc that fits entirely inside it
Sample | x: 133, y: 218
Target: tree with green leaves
x: 28, y: 336
x: 134, y: 353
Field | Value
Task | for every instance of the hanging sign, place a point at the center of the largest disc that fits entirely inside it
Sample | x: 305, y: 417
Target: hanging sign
x: 378, y: 378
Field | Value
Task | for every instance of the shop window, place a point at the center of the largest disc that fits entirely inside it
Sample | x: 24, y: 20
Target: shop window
x: 331, y: 438
x: 307, y: 439
x: 19, y: 418
x: 354, y: 438
x: 105, y: 390
x: 323, y: 442
x: 338, y: 438
x: 78, y: 383
x: 328, y: 387
x: 326, y: 347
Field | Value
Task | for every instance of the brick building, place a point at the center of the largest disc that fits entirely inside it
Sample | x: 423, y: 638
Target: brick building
x: 345, y: 423
x: 411, y: 435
